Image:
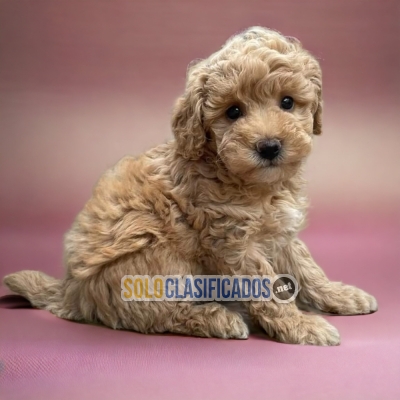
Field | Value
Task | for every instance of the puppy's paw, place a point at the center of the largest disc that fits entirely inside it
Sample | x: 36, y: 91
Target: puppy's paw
x: 236, y: 327
x: 315, y: 330
x: 305, y: 329
x: 218, y: 321
x: 348, y: 300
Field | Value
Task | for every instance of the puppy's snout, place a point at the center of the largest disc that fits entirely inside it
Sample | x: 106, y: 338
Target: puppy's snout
x: 269, y: 148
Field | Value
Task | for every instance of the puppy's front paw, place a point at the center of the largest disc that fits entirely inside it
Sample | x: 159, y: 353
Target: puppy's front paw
x: 236, y: 328
x: 304, y: 329
x: 313, y: 330
x: 223, y: 323
x: 347, y: 300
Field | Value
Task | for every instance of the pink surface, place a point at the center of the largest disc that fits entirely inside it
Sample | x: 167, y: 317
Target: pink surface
x: 83, y: 83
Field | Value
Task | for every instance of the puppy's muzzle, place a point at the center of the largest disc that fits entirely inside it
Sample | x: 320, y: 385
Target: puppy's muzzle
x: 269, y: 148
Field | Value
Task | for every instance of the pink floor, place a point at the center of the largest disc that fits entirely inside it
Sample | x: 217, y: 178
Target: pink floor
x: 82, y: 83
x: 45, y: 357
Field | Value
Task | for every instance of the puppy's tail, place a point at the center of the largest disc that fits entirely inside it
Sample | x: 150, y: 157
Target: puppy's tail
x: 40, y: 289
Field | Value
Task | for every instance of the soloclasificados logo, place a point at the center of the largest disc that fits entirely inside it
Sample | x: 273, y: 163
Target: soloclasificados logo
x: 281, y: 288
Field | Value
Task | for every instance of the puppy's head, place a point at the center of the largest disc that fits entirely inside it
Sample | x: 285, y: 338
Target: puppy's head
x: 256, y: 103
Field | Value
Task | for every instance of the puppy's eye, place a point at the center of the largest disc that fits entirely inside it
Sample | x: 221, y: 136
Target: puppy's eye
x: 287, y: 103
x: 234, y: 113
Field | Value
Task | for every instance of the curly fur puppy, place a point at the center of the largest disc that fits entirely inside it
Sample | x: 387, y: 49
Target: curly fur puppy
x: 225, y: 197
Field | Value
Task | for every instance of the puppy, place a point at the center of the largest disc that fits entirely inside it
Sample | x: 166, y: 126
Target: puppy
x: 225, y: 198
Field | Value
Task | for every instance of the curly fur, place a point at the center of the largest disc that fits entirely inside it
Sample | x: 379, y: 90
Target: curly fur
x: 206, y: 203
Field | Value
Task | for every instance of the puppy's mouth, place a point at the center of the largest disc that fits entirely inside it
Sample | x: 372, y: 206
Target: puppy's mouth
x: 267, y: 163
x: 273, y: 163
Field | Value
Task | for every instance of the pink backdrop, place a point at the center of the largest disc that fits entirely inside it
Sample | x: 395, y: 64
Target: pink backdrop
x: 83, y: 83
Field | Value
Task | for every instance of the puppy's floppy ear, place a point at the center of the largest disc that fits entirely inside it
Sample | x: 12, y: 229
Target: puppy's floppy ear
x: 187, y: 116
x: 315, y: 76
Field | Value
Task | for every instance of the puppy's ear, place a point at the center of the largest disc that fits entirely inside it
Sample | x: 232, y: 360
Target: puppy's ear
x: 187, y: 115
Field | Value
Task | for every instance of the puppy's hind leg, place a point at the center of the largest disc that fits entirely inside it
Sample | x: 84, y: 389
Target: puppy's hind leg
x: 185, y: 317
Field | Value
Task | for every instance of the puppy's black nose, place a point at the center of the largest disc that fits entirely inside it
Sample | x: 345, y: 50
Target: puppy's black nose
x: 269, y: 148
